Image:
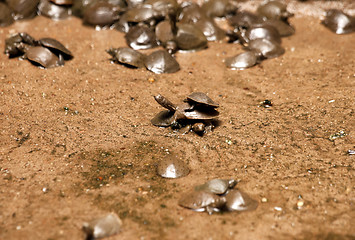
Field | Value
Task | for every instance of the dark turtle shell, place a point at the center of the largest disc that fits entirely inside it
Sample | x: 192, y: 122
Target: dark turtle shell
x: 266, y: 48
x: 197, y: 113
x: 52, y: 10
x: 190, y: 37
x: 56, y: 47
x: 63, y: 2
x: 202, y: 201
x: 202, y: 98
x: 101, y: 13
x: 141, y: 37
x: 240, y: 201
x: 139, y: 14
x: 43, y: 57
x: 23, y: 8
x: 282, y: 27
x: 127, y: 56
x: 274, y: 10
x: 262, y: 31
x: 163, y: 119
x: 210, y: 29
x: 339, y: 22
x: 13, y: 44
x: 217, y: 186
x: 244, y: 19
x: 161, y: 62
x: 6, y: 18
x: 242, y: 61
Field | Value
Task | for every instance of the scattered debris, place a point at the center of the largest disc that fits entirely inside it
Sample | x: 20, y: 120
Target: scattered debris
x: 266, y: 104
x: 339, y: 134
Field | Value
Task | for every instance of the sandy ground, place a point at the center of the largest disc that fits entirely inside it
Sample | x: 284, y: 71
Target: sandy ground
x: 76, y: 141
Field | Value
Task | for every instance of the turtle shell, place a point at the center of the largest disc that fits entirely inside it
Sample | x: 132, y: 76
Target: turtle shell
x: 240, y: 201
x: 202, y: 98
x: 242, y: 61
x: 127, y: 56
x: 161, y: 61
x: 267, y: 48
x: 339, y: 22
x: 172, y: 167
x: 42, y: 56
x: 217, y: 186
x: 103, y: 227
x: 201, y: 114
x: 163, y: 119
x: 56, y: 46
x: 200, y: 200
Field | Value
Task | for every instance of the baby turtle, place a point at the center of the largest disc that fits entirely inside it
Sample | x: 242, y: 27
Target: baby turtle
x: 201, y: 201
x: 127, y: 56
x: 101, y: 14
x: 43, y: 57
x: 53, y: 10
x: 197, y: 112
x: 218, y: 8
x: 242, y: 60
x: 56, y: 47
x: 210, y: 29
x: 244, y: 19
x: 103, y: 227
x: 266, y: 48
x: 172, y: 167
x: 189, y: 37
x: 141, y: 37
x: 237, y: 200
x: 23, y: 8
x: 339, y: 22
x: 164, y: 32
x: 187, y: 110
x: 139, y: 14
x: 13, y: 44
x: 274, y: 10
x: 162, y: 8
x: 282, y: 27
x: 262, y: 31
x: 6, y: 18
x: 217, y: 186
x: 161, y: 62
x: 200, y: 98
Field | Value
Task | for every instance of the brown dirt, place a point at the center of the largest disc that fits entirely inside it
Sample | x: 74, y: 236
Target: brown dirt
x: 60, y: 168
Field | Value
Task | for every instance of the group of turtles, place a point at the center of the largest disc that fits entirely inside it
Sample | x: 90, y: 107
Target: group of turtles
x: 45, y: 52
x: 196, y: 113
x: 217, y: 195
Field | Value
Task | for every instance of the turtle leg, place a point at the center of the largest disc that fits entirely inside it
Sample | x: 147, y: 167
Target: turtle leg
x: 210, y: 210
